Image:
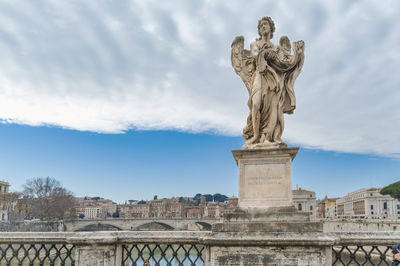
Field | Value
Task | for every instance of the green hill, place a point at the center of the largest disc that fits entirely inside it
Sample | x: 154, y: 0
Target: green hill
x: 392, y: 190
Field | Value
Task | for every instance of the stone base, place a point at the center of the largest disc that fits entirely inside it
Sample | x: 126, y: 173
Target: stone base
x: 263, y: 146
x: 270, y: 256
x: 265, y: 177
x: 270, y: 227
x: 269, y: 243
x: 272, y: 214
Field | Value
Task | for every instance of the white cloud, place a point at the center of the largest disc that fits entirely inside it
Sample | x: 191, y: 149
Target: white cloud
x: 111, y: 66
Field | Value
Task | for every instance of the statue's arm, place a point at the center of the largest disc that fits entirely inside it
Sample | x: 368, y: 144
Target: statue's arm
x: 296, y: 60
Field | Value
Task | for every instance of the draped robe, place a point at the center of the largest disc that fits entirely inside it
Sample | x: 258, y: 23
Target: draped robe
x: 274, y: 79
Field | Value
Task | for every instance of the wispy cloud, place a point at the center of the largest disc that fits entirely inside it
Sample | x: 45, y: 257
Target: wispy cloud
x: 111, y: 66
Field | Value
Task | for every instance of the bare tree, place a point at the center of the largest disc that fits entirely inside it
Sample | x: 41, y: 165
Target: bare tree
x: 48, y: 199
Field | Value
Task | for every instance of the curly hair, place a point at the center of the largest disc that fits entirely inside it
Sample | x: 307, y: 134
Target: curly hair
x: 271, y: 25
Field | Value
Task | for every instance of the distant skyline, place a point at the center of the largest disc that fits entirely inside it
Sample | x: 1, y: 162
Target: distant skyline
x: 128, y: 99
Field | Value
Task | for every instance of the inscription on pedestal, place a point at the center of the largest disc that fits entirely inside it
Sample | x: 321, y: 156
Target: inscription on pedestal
x: 265, y: 180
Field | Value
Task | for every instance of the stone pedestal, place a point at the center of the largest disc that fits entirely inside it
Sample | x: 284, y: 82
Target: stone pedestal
x: 265, y: 177
x: 95, y: 255
x: 96, y: 249
x: 260, y: 243
x: 267, y: 229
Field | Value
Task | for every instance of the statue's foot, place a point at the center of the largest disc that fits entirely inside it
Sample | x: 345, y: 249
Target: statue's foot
x: 266, y: 141
x: 252, y: 140
x: 263, y: 138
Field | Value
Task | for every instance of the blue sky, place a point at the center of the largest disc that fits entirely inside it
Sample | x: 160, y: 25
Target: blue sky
x: 127, y: 99
x: 141, y: 164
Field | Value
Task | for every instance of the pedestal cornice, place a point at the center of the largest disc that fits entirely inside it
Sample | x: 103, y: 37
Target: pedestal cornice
x: 264, y: 153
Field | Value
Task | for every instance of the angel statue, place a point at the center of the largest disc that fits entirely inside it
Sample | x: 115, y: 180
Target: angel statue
x: 269, y: 72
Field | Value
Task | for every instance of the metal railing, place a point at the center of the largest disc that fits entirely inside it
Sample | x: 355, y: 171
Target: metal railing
x: 361, y: 255
x: 159, y: 254
x: 180, y: 248
x: 364, y: 248
x: 37, y: 254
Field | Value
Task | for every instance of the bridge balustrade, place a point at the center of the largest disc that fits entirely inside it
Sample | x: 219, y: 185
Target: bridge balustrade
x: 172, y: 248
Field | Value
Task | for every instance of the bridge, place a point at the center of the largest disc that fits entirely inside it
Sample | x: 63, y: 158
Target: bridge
x: 138, y: 224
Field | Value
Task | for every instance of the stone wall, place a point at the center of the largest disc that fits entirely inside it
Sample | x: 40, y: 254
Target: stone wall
x: 220, y: 248
x: 361, y: 225
x: 31, y: 226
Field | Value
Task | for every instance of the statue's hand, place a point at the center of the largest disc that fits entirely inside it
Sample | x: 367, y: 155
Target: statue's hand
x: 300, y: 46
x: 269, y: 54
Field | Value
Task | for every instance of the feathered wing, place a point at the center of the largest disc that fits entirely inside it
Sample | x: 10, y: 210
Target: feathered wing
x: 291, y: 76
x: 242, y: 62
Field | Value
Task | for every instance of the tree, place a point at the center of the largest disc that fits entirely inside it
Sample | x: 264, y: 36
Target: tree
x: 219, y: 198
x: 48, y: 199
x: 209, y: 197
x: 392, y: 190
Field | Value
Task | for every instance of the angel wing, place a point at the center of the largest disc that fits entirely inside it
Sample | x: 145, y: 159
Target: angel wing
x: 291, y: 76
x: 242, y: 62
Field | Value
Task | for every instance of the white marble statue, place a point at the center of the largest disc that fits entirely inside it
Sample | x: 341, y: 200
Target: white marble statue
x: 269, y: 72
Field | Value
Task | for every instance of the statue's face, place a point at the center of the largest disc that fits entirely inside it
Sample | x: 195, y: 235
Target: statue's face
x: 264, y: 27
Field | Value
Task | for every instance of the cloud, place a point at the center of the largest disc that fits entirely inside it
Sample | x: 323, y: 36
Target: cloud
x: 112, y: 66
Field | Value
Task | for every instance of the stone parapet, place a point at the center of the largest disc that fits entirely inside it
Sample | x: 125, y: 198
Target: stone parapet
x: 263, y: 227
x: 273, y: 214
x: 258, y: 247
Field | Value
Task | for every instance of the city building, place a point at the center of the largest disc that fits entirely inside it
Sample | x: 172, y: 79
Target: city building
x: 194, y: 211
x: 4, y: 208
x: 134, y: 210
x: 368, y: 203
x: 4, y: 186
x: 95, y: 207
x: 178, y: 207
x: 327, y: 208
x: 231, y: 205
x: 95, y: 212
x: 8, y: 201
x: 305, y: 201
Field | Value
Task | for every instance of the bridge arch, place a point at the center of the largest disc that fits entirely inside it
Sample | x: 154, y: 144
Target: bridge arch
x: 153, y: 226
x: 98, y: 227
x: 203, y: 226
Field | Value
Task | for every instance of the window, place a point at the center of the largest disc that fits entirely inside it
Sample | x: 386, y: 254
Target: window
x: 310, y: 195
x: 372, y: 207
x: 311, y: 208
x: 371, y: 194
x: 299, y: 207
x: 385, y: 205
x: 372, y: 213
x: 398, y: 206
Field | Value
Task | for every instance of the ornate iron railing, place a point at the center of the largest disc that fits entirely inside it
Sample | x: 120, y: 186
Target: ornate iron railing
x: 362, y: 255
x: 159, y: 254
x: 364, y: 248
x: 37, y: 254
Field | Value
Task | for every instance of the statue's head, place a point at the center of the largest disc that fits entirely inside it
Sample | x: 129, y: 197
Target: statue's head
x: 271, y: 25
